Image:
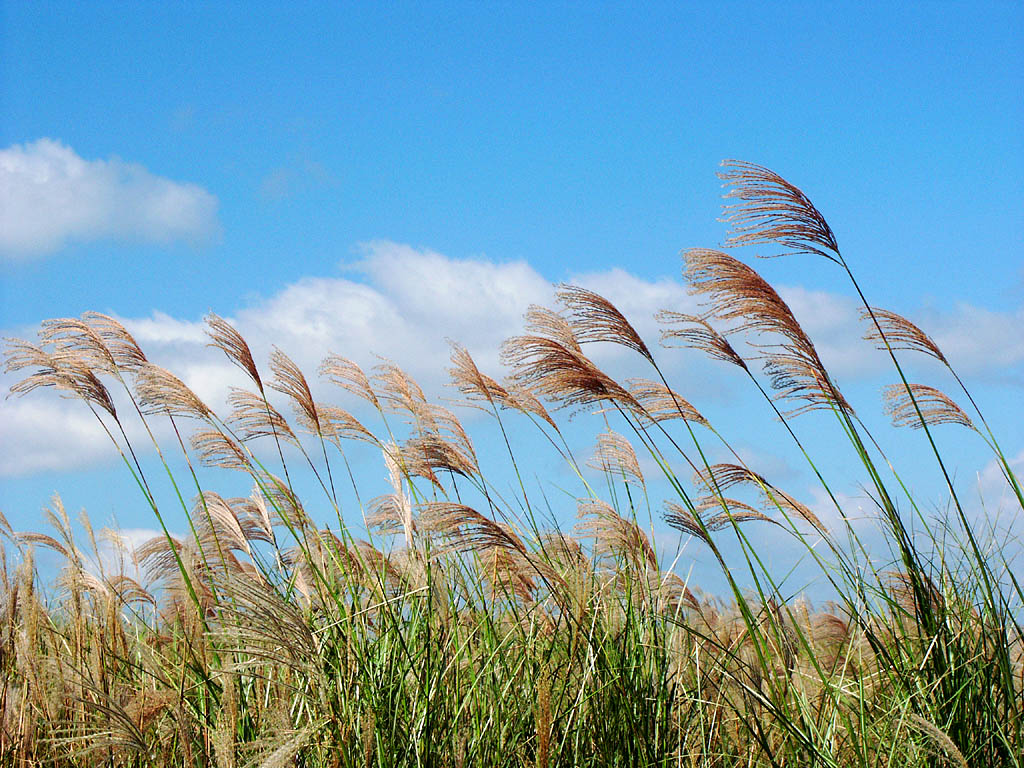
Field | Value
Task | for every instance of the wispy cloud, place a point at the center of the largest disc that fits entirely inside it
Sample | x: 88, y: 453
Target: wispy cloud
x: 50, y: 196
x: 294, y: 177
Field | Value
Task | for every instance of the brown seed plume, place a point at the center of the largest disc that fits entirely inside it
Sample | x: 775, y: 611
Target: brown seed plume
x: 616, y: 456
x: 397, y: 389
x: 160, y: 391
x: 64, y: 371
x: 349, y: 376
x: 564, y: 550
x: 739, y: 295
x: 122, y: 345
x: 76, y: 339
x: 289, y: 380
x: 463, y: 529
x: 254, y: 518
x: 217, y: 524
x: 795, y: 375
x: 560, y: 374
x: 387, y: 513
x: 738, y: 512
x: 593, y: 318
x: 771, y: 210
x: 468, y: 379
x: 157, y: 557
x: 284, y: 504
x: 697, y: 334
x: 508, y: 572
x: 216, y: 449
x: 614, y: 533
x: 685, y: 520
x: 338, y: 424
x: 436, y: 420
x: 229, y: 341
x: 659, y: 403
x: 129, y: 591
x: 425, y: 455
x: 521, y: 398
x: 900, y: 333
x: 673, y: 593
x: 541, y: 321
x: 718, y: 477
x: 252, y: 417
x: 936, y: 407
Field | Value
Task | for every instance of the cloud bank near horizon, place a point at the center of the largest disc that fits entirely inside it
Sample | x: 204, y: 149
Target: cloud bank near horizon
x: 404, y: 303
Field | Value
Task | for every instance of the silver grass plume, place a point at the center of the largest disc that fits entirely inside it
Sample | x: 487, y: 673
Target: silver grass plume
x: 350, y: 377
x: 935, y: 407
x: 616, y: 456
x: 738, y: 295
x: 593, y: 318
x: 615, y: 534
x: 695, y: 332
x: 224, y: 337
x: 768, y: 209
x: 900, y: 333
x: 719, y: 477
x: 66, y: 372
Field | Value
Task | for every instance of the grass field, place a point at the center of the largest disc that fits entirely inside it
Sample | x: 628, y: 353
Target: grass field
x: 465, y: 632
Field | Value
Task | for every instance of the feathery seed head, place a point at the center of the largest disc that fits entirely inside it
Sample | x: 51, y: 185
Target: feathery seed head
x: 593, y: 318
x: 616, y: 534
x: 253, y: 417
x: 289, y: 380
x: 122, y: 345
x: 560, y: 374
x: 541, y: 321
x: 467, y: 378
x: 76, y: 339
x: 160, y: 391
x: 659, y: 403
x: 771, y: 210
x: 216, y: 449
x: 698, y: 334
x: 65, y: 371
x: 899, y: 332
x: 616, y: 456
x: 229, y: 341
x: 349, y: 376
x: 461, y: 528
x: 935, y: 407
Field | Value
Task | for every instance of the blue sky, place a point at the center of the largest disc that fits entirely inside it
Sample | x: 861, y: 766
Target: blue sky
x: 376, y: 179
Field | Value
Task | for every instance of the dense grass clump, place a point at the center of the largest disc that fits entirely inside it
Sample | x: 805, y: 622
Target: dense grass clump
x: 465, y: 632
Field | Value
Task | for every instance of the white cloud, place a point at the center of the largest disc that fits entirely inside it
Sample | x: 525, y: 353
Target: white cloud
x: 45, y: 433
x: 404, y: 303
x: 49, y: 196
x: 976, y: 339
x: 412, y: 303
x: 162, y: 329
x: 994, y: 490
